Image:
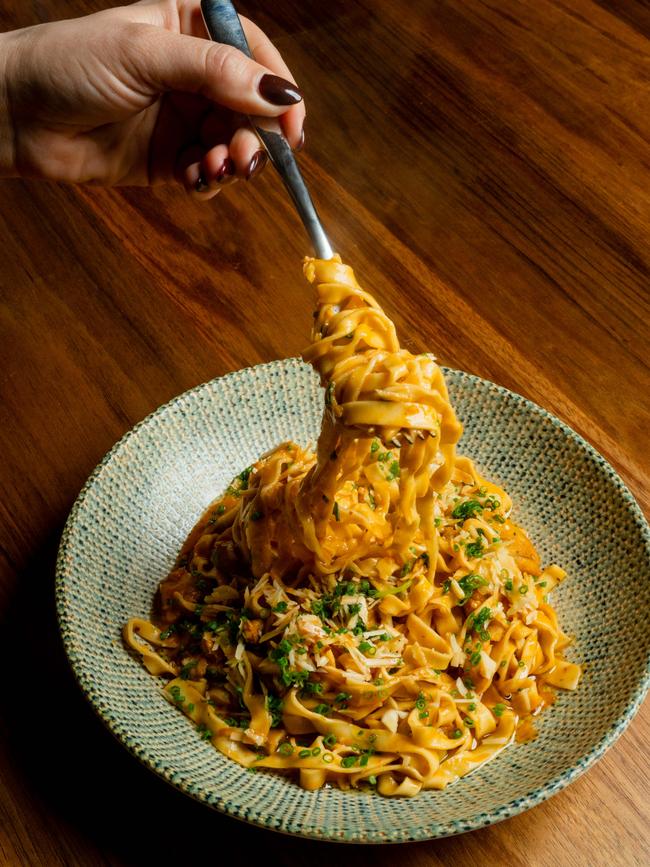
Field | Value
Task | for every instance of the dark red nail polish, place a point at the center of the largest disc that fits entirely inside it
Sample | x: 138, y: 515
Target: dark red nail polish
x: 279, y: 91
x: 200, y: 186
x: 256, y: 164
x: 226, y: 171
x: 301, y: 142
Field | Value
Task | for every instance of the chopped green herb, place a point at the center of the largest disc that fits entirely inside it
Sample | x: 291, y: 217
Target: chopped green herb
x: 499, y: 709
x: 393, y: 472
x: 478, y: 620
x: 187, y: 668
x: 322, y: 709
x: 204, y: 731
x: 280, y: 608
x: 348, y: 761
x: 467, y: 509
x: 469, y: 583
x: 329, y: 740
x: 243, y: 478
x: 374, y: 447
x: 312, y: 687
x: 274, y: 705
x: 304, y: 754
x: 523, y: 589
x: 474, y: 549
x: 285, y: 749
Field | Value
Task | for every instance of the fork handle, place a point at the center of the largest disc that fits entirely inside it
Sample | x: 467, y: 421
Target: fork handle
x: 224, y: 26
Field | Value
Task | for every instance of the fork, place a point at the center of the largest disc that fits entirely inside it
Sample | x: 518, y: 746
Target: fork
x: 223, y: 25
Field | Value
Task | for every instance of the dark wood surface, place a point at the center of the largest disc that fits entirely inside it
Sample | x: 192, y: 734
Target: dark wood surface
x: 485, y: 167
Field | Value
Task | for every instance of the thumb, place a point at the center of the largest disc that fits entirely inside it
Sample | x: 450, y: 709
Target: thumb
x: 165, y: 61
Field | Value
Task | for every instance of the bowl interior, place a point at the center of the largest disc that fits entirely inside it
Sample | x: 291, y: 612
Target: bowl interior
x: 138, y: 506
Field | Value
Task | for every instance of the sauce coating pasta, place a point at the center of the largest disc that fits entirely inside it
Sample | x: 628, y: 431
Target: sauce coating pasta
x: 367, y: 616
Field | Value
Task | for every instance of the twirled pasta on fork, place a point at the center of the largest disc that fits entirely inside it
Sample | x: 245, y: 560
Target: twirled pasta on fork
x: 369, y: 615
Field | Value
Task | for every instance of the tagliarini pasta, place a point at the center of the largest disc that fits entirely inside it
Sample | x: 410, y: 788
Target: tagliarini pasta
x: 367, y: 616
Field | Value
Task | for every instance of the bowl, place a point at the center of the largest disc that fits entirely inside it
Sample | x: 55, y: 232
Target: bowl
x: 138, y: 506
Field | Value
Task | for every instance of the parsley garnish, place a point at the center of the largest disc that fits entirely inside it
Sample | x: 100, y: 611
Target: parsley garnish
x: 393, y: 472
x: 474, y: 549
x: 274, y: 706
x: 469, y: 583
x: 467, y: 509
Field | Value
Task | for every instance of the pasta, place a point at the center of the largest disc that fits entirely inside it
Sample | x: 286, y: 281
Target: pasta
x: 367, y: 616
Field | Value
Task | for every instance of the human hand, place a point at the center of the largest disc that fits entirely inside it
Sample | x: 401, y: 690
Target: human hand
x: 138, y: 95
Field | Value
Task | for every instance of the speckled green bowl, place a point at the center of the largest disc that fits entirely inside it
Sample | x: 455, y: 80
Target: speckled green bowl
x: 139, y: 504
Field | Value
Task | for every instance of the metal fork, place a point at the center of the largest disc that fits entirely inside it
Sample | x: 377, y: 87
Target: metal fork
x: 224, y: 26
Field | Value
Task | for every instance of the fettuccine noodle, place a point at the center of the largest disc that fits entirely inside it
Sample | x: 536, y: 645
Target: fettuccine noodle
x: 367, y: 616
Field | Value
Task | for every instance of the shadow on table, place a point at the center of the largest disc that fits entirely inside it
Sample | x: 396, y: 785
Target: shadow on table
x: 94, y: 802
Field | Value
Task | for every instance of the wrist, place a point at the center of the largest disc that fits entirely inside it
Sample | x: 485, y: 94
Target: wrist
x: 7, y: 132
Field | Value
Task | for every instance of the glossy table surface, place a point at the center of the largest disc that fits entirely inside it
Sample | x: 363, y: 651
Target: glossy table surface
x: 485, y: 166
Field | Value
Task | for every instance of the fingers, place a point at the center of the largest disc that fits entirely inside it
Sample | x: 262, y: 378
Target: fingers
x: 204, y: 174
x: 244, y: 147
x: 247, y: 153
x: 164, y: 61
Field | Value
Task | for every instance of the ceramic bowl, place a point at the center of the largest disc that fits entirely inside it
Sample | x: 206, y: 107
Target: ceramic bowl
x: 138, y: 506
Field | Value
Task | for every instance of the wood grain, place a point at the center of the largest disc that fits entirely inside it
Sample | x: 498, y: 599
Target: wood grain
x: 485, y: 166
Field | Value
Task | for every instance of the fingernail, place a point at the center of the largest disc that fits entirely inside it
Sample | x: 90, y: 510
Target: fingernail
x: 256, y: 164
x: 279, y: 91
x: 226, y: 171
x: 200, y: 186
x: 301, y: 142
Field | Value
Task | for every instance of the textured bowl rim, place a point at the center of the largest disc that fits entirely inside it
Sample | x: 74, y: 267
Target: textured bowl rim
x: 426, y: 831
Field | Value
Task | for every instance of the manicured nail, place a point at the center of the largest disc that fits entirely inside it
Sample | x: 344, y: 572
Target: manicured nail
x: 279, y: 91
x: 301, y: 143
x: 200, y: 186
x: 256, y: 164
x: 226, y: 171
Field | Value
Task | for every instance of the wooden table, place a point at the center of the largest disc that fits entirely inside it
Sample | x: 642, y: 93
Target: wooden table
x: 485, y: 166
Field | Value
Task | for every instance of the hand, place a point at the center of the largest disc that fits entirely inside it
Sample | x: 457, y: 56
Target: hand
x: 138, y: 95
